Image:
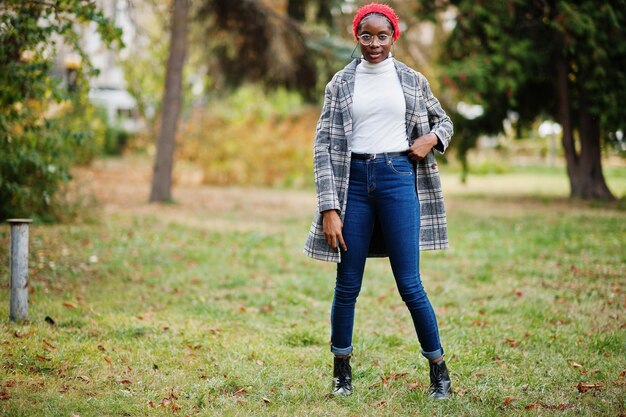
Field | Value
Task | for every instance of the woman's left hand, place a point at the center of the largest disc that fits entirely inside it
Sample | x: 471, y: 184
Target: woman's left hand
x: 422, y: 146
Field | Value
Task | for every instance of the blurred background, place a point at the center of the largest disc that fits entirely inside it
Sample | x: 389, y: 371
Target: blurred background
x: 231, y: 90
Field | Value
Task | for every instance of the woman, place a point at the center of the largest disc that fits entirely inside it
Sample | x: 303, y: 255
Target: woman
x: 378, y: 187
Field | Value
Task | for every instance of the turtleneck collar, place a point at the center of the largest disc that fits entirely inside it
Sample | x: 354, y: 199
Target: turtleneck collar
x: 381, y: 67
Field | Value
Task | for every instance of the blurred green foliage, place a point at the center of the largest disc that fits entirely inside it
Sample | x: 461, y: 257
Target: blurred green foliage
x: 253, y: 137
x: 46, y: 125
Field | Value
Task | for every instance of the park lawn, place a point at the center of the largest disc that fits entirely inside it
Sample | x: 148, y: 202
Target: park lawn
x: 142, y: 314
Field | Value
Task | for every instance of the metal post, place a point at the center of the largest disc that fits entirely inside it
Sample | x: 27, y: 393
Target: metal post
x: 18, y: 265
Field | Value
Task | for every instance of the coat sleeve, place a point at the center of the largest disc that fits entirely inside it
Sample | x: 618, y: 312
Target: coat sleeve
x: 327, y: 197
x: 440, y: 123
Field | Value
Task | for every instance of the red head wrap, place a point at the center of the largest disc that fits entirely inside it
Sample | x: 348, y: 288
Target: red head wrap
x: 383, y: 9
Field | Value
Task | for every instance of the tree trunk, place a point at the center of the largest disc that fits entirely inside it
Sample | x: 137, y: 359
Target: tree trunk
x: 584, y: 170
x: 591, y: 183
x: 164, y: 161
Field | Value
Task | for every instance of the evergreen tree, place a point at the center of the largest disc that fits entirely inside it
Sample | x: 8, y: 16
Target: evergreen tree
x: 546, y: 58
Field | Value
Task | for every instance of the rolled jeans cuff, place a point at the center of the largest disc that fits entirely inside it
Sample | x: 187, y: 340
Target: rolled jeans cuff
x: 434, y: 354
x: 341, y: 351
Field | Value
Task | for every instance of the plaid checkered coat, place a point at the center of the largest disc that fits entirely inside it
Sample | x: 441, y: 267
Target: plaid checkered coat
x: 332, y: 154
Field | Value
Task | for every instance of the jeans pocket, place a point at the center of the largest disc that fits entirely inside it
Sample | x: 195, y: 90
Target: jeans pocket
x: 400, y: 166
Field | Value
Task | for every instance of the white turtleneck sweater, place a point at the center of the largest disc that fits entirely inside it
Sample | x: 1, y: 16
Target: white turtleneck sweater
x: 378, y: 109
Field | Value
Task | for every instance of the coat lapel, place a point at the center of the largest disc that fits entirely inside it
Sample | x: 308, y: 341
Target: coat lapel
x: 409, y: 87
x: 345, y: 98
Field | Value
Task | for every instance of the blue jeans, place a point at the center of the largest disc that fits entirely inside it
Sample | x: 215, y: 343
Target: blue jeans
x: 384, y: 189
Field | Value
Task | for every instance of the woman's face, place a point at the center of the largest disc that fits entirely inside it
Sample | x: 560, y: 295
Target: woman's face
x: 376, y: 25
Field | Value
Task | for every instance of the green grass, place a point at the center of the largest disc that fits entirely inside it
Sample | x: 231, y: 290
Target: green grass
x: 530, y: 299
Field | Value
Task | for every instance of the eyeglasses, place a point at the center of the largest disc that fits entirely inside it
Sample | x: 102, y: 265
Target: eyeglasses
x: 366, y: 39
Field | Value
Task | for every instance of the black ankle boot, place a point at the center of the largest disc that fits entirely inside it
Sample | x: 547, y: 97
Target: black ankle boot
x: 439, y: 380
x: 342, y: 376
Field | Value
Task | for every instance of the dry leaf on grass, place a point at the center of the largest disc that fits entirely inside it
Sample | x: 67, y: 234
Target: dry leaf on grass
x: 4, y: 395
x: 586, y: 387
x: 45, y: 342
x: 507, y: 400
x: 69, y: 304
x: 414, y: 385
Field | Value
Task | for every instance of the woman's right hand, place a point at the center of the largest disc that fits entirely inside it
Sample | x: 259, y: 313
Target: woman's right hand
x: 332, y: 229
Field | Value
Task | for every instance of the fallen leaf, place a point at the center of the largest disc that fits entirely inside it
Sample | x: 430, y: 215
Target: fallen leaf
x: 150, y: 404
x: 49, y: 320
x: 259, y: 362
x: 175, y: 407
x: 4, y: 395
x: 622, y: 374
x: 266, y: 400
x: 65, y: 388
x: 69, y: 304
x: 84, y: 378
x: 20, y: 335
x: 240, y: 392
x: 511, y: 342
x: 586, y: 387
x: 507, y: 400
x: 101, y: 348
x: 8, y: 384
x: 165, y: 402
x: 125, y: 382
x: 43, y: 358
x: 531, y: 406
x: 107, y: 359
x: 379, y: 403
x: 194, y: 347
x: 50, y: 345
x: 575, y: 364
x: 477, y: 375
x: 414, y: 385
x: 519, y: 293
